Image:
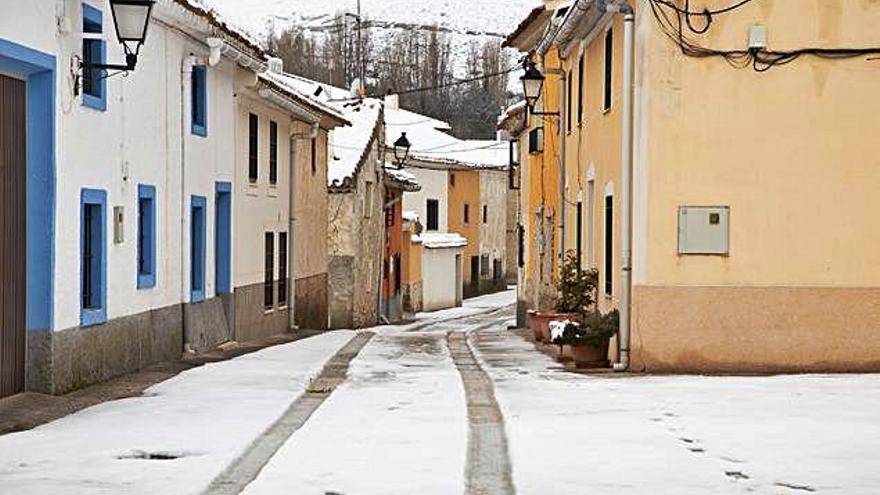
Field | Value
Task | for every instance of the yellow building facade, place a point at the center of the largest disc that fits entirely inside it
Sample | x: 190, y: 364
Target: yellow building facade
x: 755, y: 246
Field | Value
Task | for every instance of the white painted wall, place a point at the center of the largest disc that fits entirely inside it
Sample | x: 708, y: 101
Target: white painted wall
x: 435, y: 185
x: 136, y: 141
x: 440, y: 285
x: 260, y: 207
x: 493, y: 232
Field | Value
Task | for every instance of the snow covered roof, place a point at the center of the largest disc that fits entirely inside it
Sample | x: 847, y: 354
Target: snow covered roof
x: 430, y: 143
x: 206, y: 9
x: 410, y: 216
x: 437, y: 240
x: 281, y: 82
x: 402, y: 178
x: 511, y: 117
x: 350, y: 146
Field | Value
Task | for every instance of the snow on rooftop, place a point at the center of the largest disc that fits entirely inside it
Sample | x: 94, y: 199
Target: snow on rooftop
x: 348, y: 144
x: 436, y: 240
x: 403, y: 176
x: 431, y: 143
x: 289, y: 84
x: 410, y: 216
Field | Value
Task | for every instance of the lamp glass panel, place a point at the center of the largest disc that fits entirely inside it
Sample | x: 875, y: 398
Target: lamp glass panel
x: 131, y: 21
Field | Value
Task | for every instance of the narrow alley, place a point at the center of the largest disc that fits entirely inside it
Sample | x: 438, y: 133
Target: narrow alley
x: 452, y: 403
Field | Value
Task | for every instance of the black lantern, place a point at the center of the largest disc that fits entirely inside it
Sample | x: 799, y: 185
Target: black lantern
x: 533, y: 83
x: 401, y: 149
x: 131, y: 18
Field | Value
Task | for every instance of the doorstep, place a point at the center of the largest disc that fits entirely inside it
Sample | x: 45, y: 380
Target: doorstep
x: 28, y: 410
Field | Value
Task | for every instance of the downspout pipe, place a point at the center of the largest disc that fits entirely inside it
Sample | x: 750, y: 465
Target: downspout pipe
x: 626, y: 171
x: 185, y: 80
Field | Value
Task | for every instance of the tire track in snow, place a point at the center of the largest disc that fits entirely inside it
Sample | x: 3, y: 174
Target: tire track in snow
x: 488, y: 470
x: 245, y: 469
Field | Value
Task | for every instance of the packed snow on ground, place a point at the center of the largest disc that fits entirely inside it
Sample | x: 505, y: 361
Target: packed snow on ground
x: 576, y: 434
x: 397, y: 426
x: 209, y: 415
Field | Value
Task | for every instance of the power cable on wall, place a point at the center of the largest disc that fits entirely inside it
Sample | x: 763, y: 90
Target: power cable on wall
x: 673, y: 19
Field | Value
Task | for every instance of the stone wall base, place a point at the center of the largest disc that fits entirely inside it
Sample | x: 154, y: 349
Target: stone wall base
x: 310, y: 309
x: 253, y: 320
x: 755, y: 329
x: 58, y: 362
x: 205, y: 325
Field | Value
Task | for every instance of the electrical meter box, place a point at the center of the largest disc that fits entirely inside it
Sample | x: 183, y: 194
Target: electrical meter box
x: 704, y: 230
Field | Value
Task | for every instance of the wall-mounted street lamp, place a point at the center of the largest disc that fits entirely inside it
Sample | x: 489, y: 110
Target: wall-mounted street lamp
x: 401, y: 149
x: 131, y: 19
x: 533, y: 85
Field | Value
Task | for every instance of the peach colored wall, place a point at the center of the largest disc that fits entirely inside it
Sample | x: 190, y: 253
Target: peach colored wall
x: 792, y: 151
x: 465, y: 191
x: 593, y: 153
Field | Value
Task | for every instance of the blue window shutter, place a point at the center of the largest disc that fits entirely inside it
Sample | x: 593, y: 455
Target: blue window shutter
x: 146, y: 240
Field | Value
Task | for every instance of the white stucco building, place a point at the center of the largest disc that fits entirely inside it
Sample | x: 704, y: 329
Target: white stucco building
x: 128, y: 212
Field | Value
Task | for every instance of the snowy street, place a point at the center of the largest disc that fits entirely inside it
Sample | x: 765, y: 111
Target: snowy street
x: 411, y: 410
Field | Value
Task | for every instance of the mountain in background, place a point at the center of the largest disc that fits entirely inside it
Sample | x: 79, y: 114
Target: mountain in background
x: 465, y: 21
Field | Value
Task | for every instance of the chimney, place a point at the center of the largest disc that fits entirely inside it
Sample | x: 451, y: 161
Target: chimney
x: 392, y: 102
x: 276, y: 65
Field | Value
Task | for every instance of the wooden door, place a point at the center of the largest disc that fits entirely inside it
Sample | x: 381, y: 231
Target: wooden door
x: 13, y: 160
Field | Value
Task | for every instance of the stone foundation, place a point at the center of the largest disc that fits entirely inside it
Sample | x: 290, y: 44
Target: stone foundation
x: 58, y: 362
x: 412, y: 297
x: 205, y: 325
x: 253, y: 320
x: 310, y: 310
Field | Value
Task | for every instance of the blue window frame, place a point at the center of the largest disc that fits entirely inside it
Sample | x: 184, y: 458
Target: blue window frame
x: 199, y: 106
x: 223, y: 238
x: 198, y: 211
x: 146, y: 237
x: 93, y: 257
x: 94, y: 51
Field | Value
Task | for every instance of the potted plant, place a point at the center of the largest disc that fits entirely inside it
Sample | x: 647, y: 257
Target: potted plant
x: 589, y: 340
x: 576, y: 288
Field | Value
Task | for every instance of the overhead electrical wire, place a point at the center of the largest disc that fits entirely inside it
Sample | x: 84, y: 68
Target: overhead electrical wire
x: 673, y: 20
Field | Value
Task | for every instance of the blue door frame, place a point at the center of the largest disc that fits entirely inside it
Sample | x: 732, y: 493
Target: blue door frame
x: 223, y: 241
x: 38, y: 70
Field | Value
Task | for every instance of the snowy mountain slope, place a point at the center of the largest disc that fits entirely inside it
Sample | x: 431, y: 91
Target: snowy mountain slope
x: 464, y: 21
x: 470, y: 18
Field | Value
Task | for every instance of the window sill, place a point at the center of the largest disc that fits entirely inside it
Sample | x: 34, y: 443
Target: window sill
x: 606, y: 111
x: 268, y: 311
x: 91, y: 317
x: 199, y: 130
x: 146, y: 281
x: 197, y: 296
x: 94, y: 102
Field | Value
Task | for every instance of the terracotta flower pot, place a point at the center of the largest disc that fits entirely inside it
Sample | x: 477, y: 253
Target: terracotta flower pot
x: 564, y: 353
x: 588, y: 356
x: 539, y: 322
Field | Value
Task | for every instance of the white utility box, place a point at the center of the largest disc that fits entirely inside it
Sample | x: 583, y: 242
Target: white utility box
x: 704, y: 230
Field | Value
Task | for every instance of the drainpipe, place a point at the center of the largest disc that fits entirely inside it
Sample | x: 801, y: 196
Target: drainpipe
x: 185, y: 78
x: 291, y: 225
x: 626, y: 169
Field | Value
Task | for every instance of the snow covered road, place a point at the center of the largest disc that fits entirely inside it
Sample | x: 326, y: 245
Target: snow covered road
x: 403, y: 422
